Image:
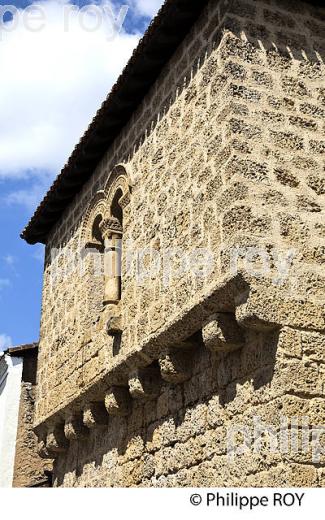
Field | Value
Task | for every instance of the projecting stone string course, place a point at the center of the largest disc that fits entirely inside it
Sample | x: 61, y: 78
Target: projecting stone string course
x: 220, y: 333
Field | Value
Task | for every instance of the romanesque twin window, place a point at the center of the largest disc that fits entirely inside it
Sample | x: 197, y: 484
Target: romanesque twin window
x: 103, y: 231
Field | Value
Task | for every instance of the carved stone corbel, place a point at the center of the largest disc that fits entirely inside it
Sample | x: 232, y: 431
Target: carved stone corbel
x: 114, y: 320
x: 176, y: 365
x: 95, y: 415
x: 145, y: 383
x: 56, y: 441
x: 117, y: 401
x: 74, y: 429
x: 222, y: 333
x: 43, y: 452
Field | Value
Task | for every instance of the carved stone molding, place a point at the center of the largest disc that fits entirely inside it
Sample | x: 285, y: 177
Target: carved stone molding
x: 222, y: 333
x: 145, y: 383
x: 125, y: 200
x: 235, y: 304
x: 119, y: 179
x: 176, y: 365
x: 74, y: 429
x: 117, y: 401
x: 94, y: 415
x: 96, y: 208
x: 110, y: 226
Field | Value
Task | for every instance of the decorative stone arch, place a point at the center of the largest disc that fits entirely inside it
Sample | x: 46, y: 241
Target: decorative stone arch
x: 119, y: 181
x: 117, y: 189
x: 103, y: 229
x: 96, y: 212
x: 118, y: 194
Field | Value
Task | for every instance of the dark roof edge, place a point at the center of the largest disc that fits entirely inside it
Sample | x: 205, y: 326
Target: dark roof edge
x: 20, y: 350
x: 163, y: 36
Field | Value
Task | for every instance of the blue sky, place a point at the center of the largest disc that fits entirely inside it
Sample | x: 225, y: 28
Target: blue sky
x: 52, y: 82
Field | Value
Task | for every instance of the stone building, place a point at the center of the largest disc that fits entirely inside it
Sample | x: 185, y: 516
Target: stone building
x: 20, y: 465
x: 183, y: 298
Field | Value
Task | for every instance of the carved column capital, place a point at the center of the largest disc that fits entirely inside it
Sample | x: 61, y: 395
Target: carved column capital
x: 110, y: 227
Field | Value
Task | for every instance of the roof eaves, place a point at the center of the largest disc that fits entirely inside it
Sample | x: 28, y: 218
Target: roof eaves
x: 154, y: 50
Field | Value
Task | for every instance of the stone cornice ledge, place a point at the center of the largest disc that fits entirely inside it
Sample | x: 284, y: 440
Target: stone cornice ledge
x: 244, y: 302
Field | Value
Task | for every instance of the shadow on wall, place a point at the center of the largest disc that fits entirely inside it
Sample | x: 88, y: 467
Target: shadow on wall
x: 215, y: 379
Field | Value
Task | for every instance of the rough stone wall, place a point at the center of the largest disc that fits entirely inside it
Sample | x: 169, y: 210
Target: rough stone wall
x: 29, y: 468
x: 181, y: 439
x: 227, y: 152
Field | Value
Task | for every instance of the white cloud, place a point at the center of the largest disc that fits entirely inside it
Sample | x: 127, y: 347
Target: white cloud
x: 148, y: 7
x: 30, y: 196
x: 52, y: 83
x: 5, y: 342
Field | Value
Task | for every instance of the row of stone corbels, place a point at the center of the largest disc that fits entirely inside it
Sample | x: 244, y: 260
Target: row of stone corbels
x: 221, y: 333
x: 262, y: 308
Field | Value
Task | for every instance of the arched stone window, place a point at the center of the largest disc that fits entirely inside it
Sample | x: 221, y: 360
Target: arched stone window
x: 103, y: 230
x: 97, y: 239
x: 91, y: 237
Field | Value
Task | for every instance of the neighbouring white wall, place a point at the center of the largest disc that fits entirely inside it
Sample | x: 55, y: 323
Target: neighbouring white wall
x: 10, y: 389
